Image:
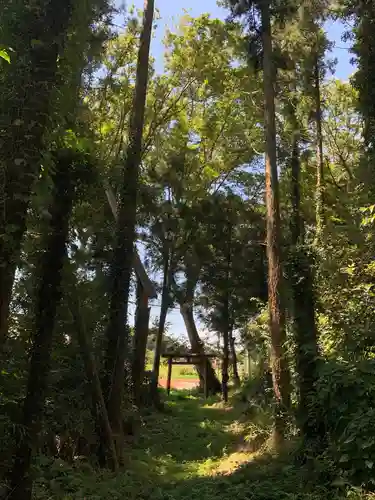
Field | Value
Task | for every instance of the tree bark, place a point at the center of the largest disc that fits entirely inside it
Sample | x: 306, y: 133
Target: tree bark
x: 186, y: 300
x: 197, y: 347
x: 47, y: 300
x: 140, y: 342
x: 319, y: 193
x: 25, y: 102
x: 232, y: 344
x: 306, y: 338
x: 225, y: 365
x: 117, y: 330
x: 92, y: 376
x: 280, y: 371
x: 161, y: 327
x: 226, y: 316
x: 249, y: 373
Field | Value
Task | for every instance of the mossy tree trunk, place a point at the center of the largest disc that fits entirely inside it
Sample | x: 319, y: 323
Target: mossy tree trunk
x: 309, y: 418
x: 48, y: 296
x: 37, y: 33
x: 117, y: 334
x: 319, y: 192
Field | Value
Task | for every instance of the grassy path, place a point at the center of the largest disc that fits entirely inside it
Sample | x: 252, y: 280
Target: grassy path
x: 191, y: 452
x: 192, y: 439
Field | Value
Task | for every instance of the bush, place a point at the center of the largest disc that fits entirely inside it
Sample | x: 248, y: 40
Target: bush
x: 347, y: 394
x: 188, y: 371
x: 256, y: 391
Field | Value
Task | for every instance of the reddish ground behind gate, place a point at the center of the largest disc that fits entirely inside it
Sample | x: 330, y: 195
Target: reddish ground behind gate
x: 180, y: 383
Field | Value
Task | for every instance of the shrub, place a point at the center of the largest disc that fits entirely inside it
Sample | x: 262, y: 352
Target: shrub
x: 347, y: 394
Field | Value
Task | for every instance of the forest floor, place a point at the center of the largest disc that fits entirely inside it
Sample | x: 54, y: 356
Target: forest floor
x: 194, y: 450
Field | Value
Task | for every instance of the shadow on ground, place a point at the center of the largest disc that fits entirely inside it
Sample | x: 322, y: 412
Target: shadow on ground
x: 189, y: 430
x: 177, y: 457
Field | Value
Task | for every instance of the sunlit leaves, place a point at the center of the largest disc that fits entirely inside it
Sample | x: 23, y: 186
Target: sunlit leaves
x: 4, y: 55
x: 369, y: 215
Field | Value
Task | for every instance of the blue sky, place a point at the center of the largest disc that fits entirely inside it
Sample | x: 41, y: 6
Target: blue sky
x: 170, y: 11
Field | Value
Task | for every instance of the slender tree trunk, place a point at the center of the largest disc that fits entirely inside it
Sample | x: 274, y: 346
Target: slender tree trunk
x: 142, y: 318
x: 197, y: 347
x: 249, y: 373
x: 47, y: 300
x: 319, y: 193
x: 161, y: 327
x: 309, y: 413
x: 92, y: 376
x: 280, y: 371
x: 27, y: 86
x: 296, y: 227
x: 236, y: 377
x: 225, y: 364
x: 226, y: 317
x: 7, y: 274
x: 117, y: 331
x: 186, y: 301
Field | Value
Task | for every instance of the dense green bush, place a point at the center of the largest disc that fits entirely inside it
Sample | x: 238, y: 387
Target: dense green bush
x: 347, y: 394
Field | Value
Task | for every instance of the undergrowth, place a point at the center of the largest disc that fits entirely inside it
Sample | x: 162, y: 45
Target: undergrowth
x: 197, y: 450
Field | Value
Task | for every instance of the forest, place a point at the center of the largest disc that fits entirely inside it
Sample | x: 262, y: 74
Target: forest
x: 235, y: 188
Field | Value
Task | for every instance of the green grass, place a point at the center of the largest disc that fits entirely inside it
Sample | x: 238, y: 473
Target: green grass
x: 191, y: 452
x: 178, y: 371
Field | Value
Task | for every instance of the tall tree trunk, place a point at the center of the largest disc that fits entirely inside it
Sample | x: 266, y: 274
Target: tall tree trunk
x: 47, y: 300
x: 25, y: 101
x: 319, y: 193
x: 296, y: 221
x: 309, y: 413
x: 225, y: 364
x: 142, y: 318
x: 197, y: 347
x: 186, y: 302
x: 226, y: 316
x: 117, y: 330
x: 161, y: 327
x: 249, y: 363
x: 280, y: 371
x: 92, y: 376
x: 232, y: 344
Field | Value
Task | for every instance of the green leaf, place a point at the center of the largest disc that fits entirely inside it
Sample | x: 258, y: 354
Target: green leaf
x: 4, y: 55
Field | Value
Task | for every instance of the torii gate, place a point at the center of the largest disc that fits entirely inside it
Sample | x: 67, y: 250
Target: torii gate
x: 188, y: 358
x: 145, y: 291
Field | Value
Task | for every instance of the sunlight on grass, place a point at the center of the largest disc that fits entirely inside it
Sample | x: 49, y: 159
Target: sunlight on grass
x: 197, y: 450
x: 192, y: 439
x: 232, y: 462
